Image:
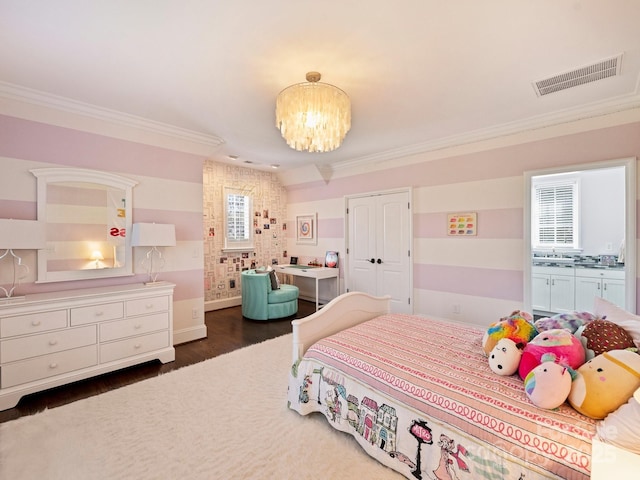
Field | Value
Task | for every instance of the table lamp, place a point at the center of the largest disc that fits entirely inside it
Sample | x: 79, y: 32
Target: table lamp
x: 153, y: 235
x: 19, y: 235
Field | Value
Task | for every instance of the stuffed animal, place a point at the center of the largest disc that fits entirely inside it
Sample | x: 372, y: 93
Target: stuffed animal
x: 566, y: 349
x: 548, y: 385
x: 504, y: 359
x: 605, y: 382
x: 517, y: 327
x: 571, y: 321
x: 601, y: 336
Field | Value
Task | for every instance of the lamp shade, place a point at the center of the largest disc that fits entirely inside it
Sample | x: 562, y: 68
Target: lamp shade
x: 153, y: 235
x: 313, y: 116
x: 22, y: 234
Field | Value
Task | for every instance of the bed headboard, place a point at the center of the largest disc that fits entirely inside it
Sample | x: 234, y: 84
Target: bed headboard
x: 342, y: 312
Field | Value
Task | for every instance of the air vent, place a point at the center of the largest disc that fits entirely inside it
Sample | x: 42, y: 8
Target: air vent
x: 591, y: 73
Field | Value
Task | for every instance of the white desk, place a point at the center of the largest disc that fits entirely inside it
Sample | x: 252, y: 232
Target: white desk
x: 319, y: 273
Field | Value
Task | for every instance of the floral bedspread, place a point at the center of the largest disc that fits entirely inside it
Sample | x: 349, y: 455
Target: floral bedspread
x: 418, y: 395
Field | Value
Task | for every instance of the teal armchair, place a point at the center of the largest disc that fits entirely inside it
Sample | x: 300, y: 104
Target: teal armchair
x: 261, y: 302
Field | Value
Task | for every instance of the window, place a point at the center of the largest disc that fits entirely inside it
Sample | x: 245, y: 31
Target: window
x: 555, y: 213
x: 238, y: 229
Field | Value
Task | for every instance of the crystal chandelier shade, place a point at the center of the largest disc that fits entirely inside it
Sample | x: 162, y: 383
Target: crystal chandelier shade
x: 313, y: 116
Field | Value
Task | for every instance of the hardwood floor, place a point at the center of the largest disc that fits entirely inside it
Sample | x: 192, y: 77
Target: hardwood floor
x: 227, y: 330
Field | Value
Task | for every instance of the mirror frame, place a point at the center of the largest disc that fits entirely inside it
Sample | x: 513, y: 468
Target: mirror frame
x: 44, y: 177
x: 630, y: 224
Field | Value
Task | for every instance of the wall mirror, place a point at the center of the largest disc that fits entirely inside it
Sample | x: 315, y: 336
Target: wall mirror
x: 88, y: 216
x: 594, y: 252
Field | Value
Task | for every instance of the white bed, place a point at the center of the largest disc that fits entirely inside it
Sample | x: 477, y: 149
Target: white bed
x: 353, y: 310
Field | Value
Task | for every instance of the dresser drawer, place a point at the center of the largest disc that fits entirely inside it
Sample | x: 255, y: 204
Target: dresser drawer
x: 147, y: 305
x: 32, y: 323
x: 133, y: 346
x: 45, y: 343
x: 97, y: 313
x: 48, y: 366
x: 133, y: 326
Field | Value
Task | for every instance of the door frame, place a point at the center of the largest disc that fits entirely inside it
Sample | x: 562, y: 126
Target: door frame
x: 629, y: 163
x: 409, y: 192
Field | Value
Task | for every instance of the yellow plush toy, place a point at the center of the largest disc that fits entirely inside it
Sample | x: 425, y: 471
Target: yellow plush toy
x: 605, y: 382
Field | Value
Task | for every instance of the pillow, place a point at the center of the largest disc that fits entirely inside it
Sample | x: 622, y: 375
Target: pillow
x: 622, y: 427
x: 275, y: 284
x: 613, y: 313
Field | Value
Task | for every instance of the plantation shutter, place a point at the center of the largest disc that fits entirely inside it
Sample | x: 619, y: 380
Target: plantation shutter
x: 556, y: 215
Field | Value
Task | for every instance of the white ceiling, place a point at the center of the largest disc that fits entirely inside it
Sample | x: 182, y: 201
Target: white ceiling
x: 421, y: 74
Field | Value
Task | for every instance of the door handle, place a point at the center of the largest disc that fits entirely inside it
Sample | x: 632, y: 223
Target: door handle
x: 373, y: 260
x: 379, y: 261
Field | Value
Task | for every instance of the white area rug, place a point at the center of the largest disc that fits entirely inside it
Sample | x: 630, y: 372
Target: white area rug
x: 225, y: 418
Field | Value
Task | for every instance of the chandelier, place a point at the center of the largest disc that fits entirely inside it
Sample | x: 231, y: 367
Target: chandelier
x: 313, y: 116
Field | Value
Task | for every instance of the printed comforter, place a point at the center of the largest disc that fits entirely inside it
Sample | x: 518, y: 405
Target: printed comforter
x: 418, y: 396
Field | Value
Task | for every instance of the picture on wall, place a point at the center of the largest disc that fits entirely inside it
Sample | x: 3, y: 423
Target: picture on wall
x: 306, y: 226
x: 462, y: 224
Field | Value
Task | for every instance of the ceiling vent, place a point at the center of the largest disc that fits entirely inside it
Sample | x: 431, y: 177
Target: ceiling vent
x: 590, y: 73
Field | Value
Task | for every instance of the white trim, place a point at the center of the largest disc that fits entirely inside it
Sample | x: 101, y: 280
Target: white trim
x: 185, y: 335
x: 222, y: 303
x: 30, y: 104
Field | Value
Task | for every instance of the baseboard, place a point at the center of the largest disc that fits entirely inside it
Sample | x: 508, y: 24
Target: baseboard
x: 189, y: 334
x: 223, y: 303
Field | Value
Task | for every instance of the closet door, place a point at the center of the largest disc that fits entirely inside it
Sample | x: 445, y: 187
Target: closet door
x: 379, y: 247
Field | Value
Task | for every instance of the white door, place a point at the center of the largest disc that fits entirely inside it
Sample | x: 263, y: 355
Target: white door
x: 379, y: 247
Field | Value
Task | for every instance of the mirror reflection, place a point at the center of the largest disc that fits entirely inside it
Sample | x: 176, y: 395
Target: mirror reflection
x: 88, y: 215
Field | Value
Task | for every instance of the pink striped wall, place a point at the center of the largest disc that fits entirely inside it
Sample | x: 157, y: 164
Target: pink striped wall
x: 496, y: 225
x: 37, y: 144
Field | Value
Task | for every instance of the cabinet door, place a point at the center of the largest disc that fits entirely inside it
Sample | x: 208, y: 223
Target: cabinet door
x: 562, y: 295
x: 613, y: 290
x: 541, y: 290
x: 587, y: 289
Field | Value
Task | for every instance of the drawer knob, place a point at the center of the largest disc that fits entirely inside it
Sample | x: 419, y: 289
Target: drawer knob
x: 53, y: 342
x: 149, y: 305
x: 137, y: 326
x: 99, y: 313
x: 137, y: 346
x: 36, y: 323
x: 53, y: 365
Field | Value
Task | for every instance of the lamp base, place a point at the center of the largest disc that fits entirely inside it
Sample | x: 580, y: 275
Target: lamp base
x: 152, y: 283
x: 8, y: 300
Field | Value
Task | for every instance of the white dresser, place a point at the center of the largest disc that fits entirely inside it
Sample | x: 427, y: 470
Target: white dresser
x: 55, y: 338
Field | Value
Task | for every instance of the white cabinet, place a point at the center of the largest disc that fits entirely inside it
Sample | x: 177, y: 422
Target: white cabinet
x: 553, y: 289
x: 55, y: 338
x: 592, y: 283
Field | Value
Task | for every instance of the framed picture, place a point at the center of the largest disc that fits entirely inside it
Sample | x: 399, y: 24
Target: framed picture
x: 306, y: 229
x: 462, y: 224
x: 293, y: 261
x: 331, y: 259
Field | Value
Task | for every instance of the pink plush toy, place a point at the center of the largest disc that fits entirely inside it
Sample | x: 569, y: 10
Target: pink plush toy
x: 517, y: 327
x: 504, y: 359
x: 548, y: 385
x: 566, y: 349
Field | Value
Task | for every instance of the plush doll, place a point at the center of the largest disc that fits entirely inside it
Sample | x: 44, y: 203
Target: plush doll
x: 504, y: 359
x: 605, y: 383
x: 571, y: 321
x: 566, y: 349
x: 548, y: 385
x: 601, y: 336
x: 517, y: 327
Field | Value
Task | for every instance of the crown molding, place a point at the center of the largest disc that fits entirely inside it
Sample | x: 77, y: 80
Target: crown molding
x: 536, y: 123
x: 30, y: 104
